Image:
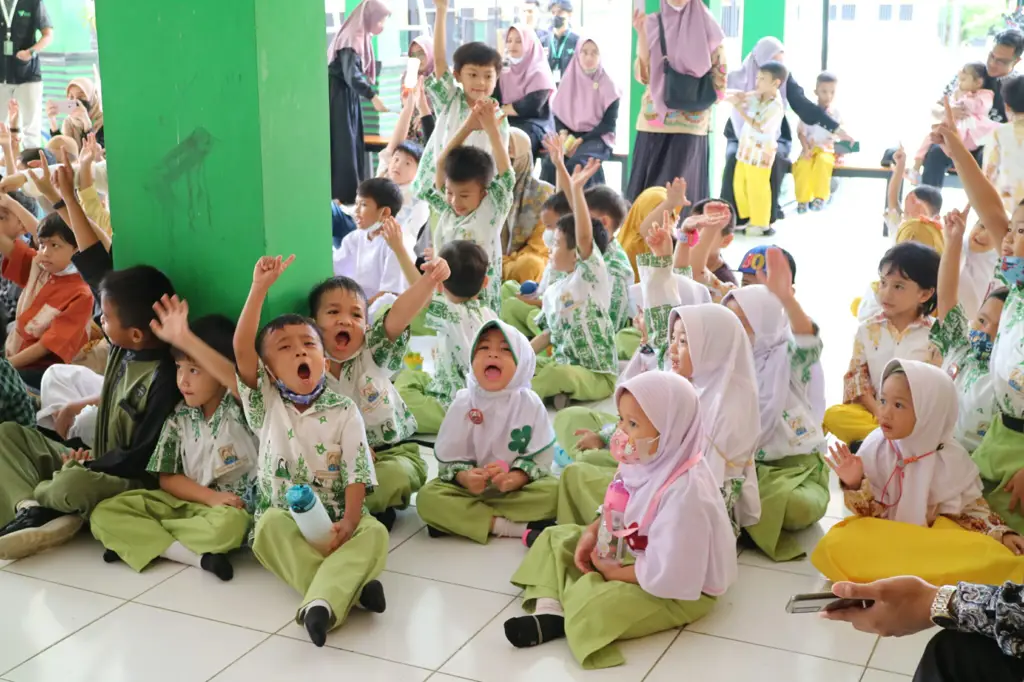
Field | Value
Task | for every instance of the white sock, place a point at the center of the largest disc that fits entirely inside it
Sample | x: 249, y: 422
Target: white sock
x: 548, y: 606
x: 181, y: 554
x: 503, y: 528
x: 319, y: 602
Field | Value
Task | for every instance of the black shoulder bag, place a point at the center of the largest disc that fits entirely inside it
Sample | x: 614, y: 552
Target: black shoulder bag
x: 682, y: 91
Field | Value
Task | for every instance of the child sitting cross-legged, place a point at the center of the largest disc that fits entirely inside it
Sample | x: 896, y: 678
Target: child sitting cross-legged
x: 576, y: 316
x: 494, y: 448
x: 362, y: 357
x: 913, y: 471
x: 456, y: 314
x: 659, y: 554
x: 56, y: 305
x: 309, y: 435
x: 472, y: 202
x: 205, y: 460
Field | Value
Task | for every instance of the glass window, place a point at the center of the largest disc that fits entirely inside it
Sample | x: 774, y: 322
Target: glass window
x: 832, y: 12
x: 849, y: 12
x: 885, y: 12
x: 906, y: 12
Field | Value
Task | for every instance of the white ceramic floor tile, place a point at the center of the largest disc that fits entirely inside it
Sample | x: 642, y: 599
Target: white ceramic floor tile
x: 871, y: 675
x: 808, y: 539
x: 35, y: 614
x: 91, y: 572
x: 138, y: 642
x: 754, y: 610
x: 901, y: 654
x: 407, y: 524
x: 4, y: 563
x: 281, y: 658
x: 490, y: 658
x: 722, y: 660
x: 460, y: 561
x: 200, y: 593
x: 425, y: 623
x: 441, y: 677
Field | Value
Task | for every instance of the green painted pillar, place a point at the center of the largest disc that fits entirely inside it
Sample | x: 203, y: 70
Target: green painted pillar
x: 218, y: 142
x: 762, y: 18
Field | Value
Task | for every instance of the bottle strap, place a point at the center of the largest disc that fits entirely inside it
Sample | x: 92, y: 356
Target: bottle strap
x: 652, y: 508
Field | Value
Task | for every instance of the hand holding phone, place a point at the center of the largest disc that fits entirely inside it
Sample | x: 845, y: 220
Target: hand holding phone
x: 824, y: 601
x: 64, y: 106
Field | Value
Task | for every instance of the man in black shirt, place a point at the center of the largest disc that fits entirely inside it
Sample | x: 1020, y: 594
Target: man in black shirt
x: 1003, y: 58
x: 25, y: 30
x: 563, y: 40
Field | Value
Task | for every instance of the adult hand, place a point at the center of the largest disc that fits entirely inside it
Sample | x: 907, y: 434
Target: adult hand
x: 23, y: 55
x: 379, y: 105
x: 848, y: 466
x: 171, y: 325
x: 588, y: 440
x: 844, y: 136
x: 640, y: 22
x: 65, y: 417
x: 80, y: 113
x: 268, y: 269
x: 584, y: 549
x: 902, y: 606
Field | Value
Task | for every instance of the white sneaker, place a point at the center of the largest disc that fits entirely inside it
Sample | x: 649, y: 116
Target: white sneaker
x: 35, y: 529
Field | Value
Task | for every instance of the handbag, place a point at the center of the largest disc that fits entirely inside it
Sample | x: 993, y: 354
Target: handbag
x: 683, y: 92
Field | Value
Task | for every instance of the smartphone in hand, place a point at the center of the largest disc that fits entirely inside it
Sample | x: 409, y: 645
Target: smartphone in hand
x: 824, y: 601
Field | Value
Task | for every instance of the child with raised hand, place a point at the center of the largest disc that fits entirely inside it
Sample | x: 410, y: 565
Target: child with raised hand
x: 455, y: 314
x: 659, y: 554
x: 791, y: 475
x: 965, y: 342
x: 908, y: 275
x: 918, y: 219
x: 912, y: 470
x: 309, y: 435
x: 363, y: 356
x: 576, y: 306
x: 476, y: 68
x: 472, y: 202
x: 494, y: 448
x: 205, y: 460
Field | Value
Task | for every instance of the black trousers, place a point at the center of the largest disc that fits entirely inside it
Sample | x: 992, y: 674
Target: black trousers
x: 936, y: 164
x: 781, y: 166
x: 957, y: 657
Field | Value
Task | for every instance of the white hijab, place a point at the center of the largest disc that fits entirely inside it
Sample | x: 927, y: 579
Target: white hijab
x: 945, y: 482
x: 768, y: 319
x: 512, y: 417
x: 691, y: 547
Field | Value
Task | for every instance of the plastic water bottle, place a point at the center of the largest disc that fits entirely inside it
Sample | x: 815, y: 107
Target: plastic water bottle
x: 310, y: 515
x: 528, y: 288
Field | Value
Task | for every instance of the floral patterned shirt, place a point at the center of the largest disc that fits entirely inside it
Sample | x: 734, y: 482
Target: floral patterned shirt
x: 621, y: 273
x: 365, y: 379
x: 686, y: 122
x: 219, y: 453
x: 323, y: 447
x: 971, y: 376
x: 1008, y: 356
x: 758, y: 147
x: 995, y: 612
x: 482, y: 226
x: 575, y: 310
x: 456, y: 325
x: 798, y: 431
x: 876, y: 343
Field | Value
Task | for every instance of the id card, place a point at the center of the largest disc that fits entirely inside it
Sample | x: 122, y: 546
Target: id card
x: 8, y: 48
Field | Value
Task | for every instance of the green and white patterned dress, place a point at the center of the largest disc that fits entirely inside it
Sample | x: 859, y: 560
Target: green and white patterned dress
x: 456, y: 325
x: 482, y: 226
x: 621, y: 274
x: 323, y: 447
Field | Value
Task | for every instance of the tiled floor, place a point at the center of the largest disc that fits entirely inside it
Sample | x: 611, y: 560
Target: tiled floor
x: 65, y: 616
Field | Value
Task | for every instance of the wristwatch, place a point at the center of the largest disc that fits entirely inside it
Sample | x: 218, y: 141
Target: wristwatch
x: 942, y: 613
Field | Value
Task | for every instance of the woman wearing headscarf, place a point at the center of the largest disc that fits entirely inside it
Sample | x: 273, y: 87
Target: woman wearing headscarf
x: 913, y: 471
x: 524, y: 255
x: 586, y: 107
x: 661, y: 551
x: 87, y: 116
x: 744, y: 78
x: 422, y: 125
x: 352, y: 73
x: 526, y: 85
x: 670, y: 143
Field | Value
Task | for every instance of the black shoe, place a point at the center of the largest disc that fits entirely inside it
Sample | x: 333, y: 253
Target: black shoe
x: 528, y: 631
x: 372, y: 597
x: 534, y: 529
x: 36, y: 528
x: 317, y: 620
x: 435, y: 533
x: 218, y: 564
x: 387, y: 518
x: 110, y: 556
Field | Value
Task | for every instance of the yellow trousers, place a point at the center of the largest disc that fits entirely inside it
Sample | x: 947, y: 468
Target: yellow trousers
x: 850, y: 422
x: 523, y: 267
x: 752, y: 189
x: 813, y: 176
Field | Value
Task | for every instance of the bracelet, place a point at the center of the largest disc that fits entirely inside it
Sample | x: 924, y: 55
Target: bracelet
x: 59, y: 205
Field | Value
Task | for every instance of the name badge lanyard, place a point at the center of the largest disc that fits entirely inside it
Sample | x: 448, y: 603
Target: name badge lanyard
x: 555, y: 56
x: 9, y: 15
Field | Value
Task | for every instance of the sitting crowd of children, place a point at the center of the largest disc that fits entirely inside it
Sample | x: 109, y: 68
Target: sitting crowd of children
x: 301, y: 438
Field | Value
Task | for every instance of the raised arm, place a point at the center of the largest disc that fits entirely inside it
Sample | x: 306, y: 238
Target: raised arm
x: 415, y: 298
x: 85, y: 233
x: 949, y: 265
x: 899, y: 166
x: 471, y: 124
x: 675, y: 200
x: 556, y: 154
x: 404, y: 119
x: 643, y: 49
x: 266, y: 272
x: 391, y: 232
x: 171, y: 326
x: 440, y: 37
x: 779, y: 281
x: 581, y: 214
x: 487, y: 113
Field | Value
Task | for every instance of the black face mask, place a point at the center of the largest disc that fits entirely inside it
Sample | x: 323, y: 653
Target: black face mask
x: 558, y: 22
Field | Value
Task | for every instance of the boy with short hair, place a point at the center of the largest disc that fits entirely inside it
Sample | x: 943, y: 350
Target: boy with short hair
x: 46, y: 488
x: 812, y: 172
x: 364, y: 256
x: 477, y: 67
x: 921, y: 207
x: 763, y: 112
x: 1004, y: 152
x: 399, y: 162
x: 363, y: 356
x: 56, y: 305
x: 472, y: 202
x: 205, y: 460
x: 456, y: 314
x: 308, y: 435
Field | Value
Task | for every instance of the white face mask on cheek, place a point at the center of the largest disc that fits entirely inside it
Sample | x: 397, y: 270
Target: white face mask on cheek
x: 549, y: 239
x: 514, y: 60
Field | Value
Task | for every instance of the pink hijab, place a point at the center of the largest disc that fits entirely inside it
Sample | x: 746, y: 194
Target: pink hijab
x: 355, y: 35
x: 691, y: 34
x: 583, y: 98
x: 529, y: 75
x: 426, y: 44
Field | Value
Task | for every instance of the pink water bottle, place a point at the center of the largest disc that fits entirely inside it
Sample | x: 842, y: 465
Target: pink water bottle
x: 613, y: 513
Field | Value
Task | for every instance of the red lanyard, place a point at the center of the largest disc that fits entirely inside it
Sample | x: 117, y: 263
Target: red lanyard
x: 900, y: 470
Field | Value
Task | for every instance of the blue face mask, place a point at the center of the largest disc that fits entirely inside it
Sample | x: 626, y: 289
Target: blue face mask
x: 300, y: 398
x: 1013, y: 270
x: 981, y: 344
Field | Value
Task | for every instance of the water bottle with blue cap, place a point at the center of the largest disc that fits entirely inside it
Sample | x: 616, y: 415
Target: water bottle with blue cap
x: 309, y: 514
